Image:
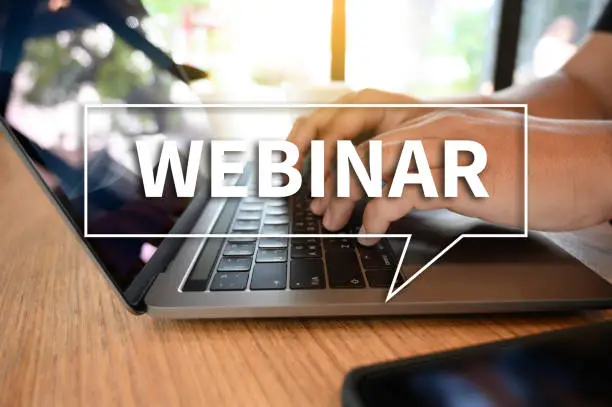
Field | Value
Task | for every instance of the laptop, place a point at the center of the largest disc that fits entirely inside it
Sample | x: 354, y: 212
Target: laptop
x: 242, y: 277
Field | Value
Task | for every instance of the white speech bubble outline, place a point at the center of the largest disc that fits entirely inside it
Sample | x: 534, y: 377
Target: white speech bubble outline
x: 391, y: 293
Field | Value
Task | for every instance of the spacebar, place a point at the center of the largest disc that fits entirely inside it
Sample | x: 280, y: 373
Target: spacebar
x: 343, y: 269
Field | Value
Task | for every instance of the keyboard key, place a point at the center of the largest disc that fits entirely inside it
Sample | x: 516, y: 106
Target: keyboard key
x: 275, y: 230
x: 305, y: 240
x: 252, y: 207
x: 299, y: 226
x: 277, y: 210
x: 343, y: 270
x: 245, y: 232
x: 229, y: 281
x: 334, y: 244
x: 276, y: 220
x: 348, y: 230
x: 382, y: 278
x: 241, y: 239
x: 249, y: 215
x: 306, y: 274
x: 311, y: 220
x: 300, y: 206
x: 277, y: 202
x: 271, y: 256
x: 305, y: 227
x: 246, y: 225
x: 273, y: 242
x: 301, y: 251
x: 373, y: 258
x: 310, y: 246
x: 252, y: 199
x: 299, y: 215
x: 239, y: 249
x: 235, y: 263
x: 269, y: 276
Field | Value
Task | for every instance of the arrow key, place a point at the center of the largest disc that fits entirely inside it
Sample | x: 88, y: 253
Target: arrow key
x: 343, y: 270
x: 229, y: 281
x: 307, y: 274
x: 269, y: 276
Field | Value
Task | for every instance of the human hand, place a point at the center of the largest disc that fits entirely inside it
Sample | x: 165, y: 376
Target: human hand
x: 332, y: 124
x: 567, y: 162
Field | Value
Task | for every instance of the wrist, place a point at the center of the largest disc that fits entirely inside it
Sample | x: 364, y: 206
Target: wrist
x: 596, y: 148
x: 607, y: 170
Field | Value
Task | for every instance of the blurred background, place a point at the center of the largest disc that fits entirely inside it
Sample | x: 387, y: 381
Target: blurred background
x: 270, y: 51
x: 260, y: 49
x: 429, y: 48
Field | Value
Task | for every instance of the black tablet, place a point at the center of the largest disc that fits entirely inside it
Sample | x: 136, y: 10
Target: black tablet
x: 566, y: 368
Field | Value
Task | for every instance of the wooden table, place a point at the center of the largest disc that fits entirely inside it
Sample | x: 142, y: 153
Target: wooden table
x: 66, y: 340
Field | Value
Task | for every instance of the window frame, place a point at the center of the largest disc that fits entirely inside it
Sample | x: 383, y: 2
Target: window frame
x: 506, y: 48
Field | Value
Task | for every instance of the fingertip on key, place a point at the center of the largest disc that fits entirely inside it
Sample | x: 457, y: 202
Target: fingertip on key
x: 316, y: 206
x: 328, y: 221
x: 366, y: 241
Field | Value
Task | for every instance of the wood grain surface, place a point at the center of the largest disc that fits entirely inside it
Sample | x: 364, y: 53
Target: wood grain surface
x: 66, y: 340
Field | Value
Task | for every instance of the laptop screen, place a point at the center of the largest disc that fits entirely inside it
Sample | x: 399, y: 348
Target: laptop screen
x: 57, y: 74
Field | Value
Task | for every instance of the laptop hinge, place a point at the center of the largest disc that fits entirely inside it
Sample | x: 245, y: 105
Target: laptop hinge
x: 170, y: 246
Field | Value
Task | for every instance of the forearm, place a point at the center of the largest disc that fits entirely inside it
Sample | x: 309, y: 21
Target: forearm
x: 557, y: 96
x: 582, y: 89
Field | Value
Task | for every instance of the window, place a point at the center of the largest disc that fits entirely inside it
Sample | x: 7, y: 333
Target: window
x: 426, y: 48
x: 245, y: 43
x: 423, y: 47
x: 551, y: 31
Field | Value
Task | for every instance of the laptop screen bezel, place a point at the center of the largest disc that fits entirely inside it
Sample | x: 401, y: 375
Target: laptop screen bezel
x: 132, y: 295
x: 25, y: 152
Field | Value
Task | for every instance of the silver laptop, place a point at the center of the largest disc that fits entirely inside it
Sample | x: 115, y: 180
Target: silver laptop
x: 247, y: 276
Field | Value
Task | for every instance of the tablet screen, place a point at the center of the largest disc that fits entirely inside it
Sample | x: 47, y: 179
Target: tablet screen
x: 568, y: 371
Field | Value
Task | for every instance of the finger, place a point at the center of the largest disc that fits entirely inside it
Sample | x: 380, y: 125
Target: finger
x: 338, y: 210
x: 431, y: 133
x: 430, y: 129
x: 354, y: 123
x: 318, y: 206
x: 307, y: 128
x: 316, y: 119
x: 379, y: 213
x: 331, y: 124
x: 395, y: 151
x: 348, y: 124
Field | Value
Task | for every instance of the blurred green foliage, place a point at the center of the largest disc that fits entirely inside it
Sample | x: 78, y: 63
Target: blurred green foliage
x: 57, y: 74
x: 467, y: 36
x: 171, y: 8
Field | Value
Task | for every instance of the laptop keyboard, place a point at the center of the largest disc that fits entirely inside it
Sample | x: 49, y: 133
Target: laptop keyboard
x: 280, y: 263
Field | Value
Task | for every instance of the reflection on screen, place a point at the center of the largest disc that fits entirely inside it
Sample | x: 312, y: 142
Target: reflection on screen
x: 573, y: 372
x: 60, y: 72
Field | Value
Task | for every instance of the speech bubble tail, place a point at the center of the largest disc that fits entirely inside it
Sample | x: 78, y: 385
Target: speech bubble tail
x: 391, y: 293
x: 394, y: 291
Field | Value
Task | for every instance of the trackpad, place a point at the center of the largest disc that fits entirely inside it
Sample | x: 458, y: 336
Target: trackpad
x: 494, y: 270
x: 434, y: 230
